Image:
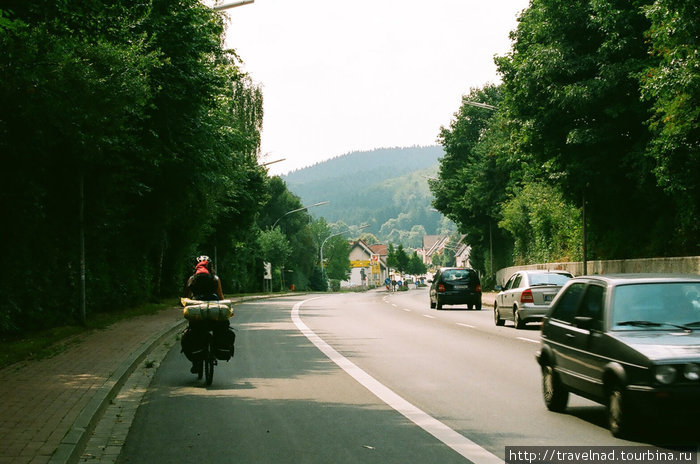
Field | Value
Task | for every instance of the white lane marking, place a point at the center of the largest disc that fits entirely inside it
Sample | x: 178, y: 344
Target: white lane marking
x: 465, y: 325
x: 394, y: 305
x: 406, y: 309
x: 428, y: 316
x: 442, y: 432
x: 528, y: 340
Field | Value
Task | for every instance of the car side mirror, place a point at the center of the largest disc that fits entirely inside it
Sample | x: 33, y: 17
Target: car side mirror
x: 498, y: 288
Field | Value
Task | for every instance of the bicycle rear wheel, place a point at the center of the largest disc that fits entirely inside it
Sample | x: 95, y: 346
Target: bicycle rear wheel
x: 200, y: 369
x: 209, y: 367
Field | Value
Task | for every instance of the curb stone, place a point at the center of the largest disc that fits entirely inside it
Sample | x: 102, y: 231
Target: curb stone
x: 72, y: 444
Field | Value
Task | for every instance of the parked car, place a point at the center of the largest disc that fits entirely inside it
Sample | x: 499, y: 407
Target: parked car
x: 630, y: 342
x: 527, y: 295
x: 455, y: 285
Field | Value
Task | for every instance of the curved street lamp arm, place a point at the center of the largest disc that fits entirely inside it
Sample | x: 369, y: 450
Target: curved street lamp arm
x: 299, y: 209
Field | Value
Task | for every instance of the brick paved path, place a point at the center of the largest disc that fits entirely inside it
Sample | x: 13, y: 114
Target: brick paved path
x: 46, y: 405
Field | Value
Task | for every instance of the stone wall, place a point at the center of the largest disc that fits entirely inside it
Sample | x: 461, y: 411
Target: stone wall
x: 681, y: 265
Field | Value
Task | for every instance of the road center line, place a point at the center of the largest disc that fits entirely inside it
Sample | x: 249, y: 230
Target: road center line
x: 528, y: 340
x: 442, y: 432
x: 406, y: 309
x: 429, y: 316
x: 465, y: 325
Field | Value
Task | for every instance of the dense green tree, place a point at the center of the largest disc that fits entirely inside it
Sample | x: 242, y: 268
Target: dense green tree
x: 475, y: 176
x: 137, y: 106
x: 317, y: 282
x: 284, y: 209
x: 402, y: 259
x: 391, y: 258
x: 672, y: 85
x: 275, y: 249
x: 416, y: 266
x: 570, y: 87
x: 336, y: 256
x: 544, y: 227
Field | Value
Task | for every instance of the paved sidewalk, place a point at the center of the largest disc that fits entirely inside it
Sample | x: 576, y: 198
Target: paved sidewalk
x: 48, y: 406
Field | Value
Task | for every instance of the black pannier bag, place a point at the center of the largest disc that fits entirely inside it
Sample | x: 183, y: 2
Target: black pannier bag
x: 194, y: 343
x: 224, y: 338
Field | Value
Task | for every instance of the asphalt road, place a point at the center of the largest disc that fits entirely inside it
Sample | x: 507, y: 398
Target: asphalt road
x: 367, y: 377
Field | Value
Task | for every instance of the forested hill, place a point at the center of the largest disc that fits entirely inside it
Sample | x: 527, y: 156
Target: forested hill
x: 368, y: 166
x: 386, y: 188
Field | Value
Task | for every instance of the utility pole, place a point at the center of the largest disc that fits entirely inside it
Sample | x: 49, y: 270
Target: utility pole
x: 585, y: 245
x: 81, y: 221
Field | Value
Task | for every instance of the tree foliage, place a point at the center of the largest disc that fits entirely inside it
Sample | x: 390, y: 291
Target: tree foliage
x: 671, y: 84
x: 476, y: 174
x: 545, y: 228
x: 416, y: 266
x: 571, y: 90
x: 138, y: 102
x: 598, y: 106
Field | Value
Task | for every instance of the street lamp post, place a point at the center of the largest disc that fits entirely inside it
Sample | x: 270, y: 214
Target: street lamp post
x: 227, y: 6
x: 299, y: 209
x: 273, y: 162
x: 479, y: 105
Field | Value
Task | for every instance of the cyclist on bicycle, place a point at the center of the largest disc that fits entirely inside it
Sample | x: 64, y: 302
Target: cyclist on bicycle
x: 203, y: 285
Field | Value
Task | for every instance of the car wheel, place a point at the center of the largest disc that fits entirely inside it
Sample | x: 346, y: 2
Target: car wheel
x: 555, y: 395
x: 519, y: 323
x: 478, y: 306
x: 620, y: 414
x: 432, y: 305
x: 439, y: 305
x: 470, y: 307
x: 497, y: 315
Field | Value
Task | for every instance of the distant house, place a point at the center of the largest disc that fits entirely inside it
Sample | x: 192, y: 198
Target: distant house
x: 462, y: 253
x: 433, y: 245
x: 368, y: 265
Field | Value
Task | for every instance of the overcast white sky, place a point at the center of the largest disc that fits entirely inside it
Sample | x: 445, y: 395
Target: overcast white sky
x: 339, y: 76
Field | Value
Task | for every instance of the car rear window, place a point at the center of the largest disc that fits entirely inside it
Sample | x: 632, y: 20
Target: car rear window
x: 549, y: 278
x: 456, y: 274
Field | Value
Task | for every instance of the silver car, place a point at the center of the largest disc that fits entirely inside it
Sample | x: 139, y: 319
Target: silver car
x: 527, y: 295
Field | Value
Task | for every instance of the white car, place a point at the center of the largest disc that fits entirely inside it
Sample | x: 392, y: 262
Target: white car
x: 527, y: 295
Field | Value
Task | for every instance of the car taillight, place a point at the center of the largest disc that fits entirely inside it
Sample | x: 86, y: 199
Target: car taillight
x: 526, y: 296
x: 478, y: 287
x: 441, y: 288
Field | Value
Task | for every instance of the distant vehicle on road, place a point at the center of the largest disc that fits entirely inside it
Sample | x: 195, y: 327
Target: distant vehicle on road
x: 527, y: 295
x: 630, y: 342
x: 454, y: 286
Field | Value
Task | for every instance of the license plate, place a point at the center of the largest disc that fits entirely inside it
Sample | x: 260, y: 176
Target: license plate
x: 461, y: 287
x: 548, y: 298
